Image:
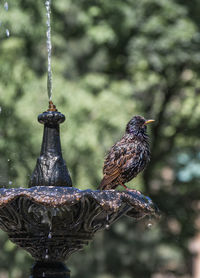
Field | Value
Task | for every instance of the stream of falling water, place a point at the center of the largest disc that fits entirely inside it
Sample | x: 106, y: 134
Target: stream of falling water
x: 49, y: 46
x: 5, y: 4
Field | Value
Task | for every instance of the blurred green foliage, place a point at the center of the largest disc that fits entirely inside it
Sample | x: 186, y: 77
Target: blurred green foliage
x: 111, y: 60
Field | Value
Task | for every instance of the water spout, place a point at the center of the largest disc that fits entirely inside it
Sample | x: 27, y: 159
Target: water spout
x: 49, y: 47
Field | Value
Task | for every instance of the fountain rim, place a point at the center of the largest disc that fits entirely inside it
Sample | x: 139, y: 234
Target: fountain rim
x: 56, y: 196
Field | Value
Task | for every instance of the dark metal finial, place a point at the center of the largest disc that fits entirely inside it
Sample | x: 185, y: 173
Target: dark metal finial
x: 51, y: 169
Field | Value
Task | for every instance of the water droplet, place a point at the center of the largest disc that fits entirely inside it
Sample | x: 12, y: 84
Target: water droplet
x: 107, y: 222
x: 6, y: 6
x: 50, y: 235
x: 43, y: 274
x: 107, y: 226
x: 46, y: 256
x: 0, y: 106
x: 8, y: 159
x: 149, y: 225
x: 7, y: 33
x: 10, y: 182
x: 107, y: 217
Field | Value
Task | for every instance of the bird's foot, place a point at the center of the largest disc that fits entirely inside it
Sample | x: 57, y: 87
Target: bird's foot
x: 133, y: 190
x: 122, y: 184
x: 129, y: 189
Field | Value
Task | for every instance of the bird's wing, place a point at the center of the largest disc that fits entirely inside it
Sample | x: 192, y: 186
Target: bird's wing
x: 128, y: 156
x: 136, y: 158
x: 115, y: 163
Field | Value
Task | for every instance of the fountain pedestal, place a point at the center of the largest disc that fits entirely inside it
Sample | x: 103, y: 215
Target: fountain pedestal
x: 49, y: 270
x: 51, y: 220
x: 51, y: 169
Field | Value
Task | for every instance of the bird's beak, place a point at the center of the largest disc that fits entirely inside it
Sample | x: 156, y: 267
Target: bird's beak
x: 148, y: 122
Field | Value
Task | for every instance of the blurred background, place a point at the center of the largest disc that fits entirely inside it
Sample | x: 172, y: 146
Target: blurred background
x: 111, y: 60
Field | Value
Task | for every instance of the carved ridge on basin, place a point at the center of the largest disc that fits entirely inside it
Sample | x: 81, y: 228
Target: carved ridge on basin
x: 53, y: 222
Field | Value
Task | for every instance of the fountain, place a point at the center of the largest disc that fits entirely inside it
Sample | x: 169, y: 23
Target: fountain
x: 51, y: 219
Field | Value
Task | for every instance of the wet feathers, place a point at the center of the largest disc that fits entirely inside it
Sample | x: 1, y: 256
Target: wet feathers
x: 128, y: 157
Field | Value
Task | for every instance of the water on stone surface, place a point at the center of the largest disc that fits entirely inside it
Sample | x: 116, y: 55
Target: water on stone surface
x: 49, y: 47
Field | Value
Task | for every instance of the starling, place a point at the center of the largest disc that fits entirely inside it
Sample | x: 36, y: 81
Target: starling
x: 127, y: 157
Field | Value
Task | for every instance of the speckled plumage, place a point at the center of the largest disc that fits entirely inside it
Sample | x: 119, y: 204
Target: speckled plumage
x: 127, y: 157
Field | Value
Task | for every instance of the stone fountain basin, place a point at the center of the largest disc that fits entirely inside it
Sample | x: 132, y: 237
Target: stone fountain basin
x: 53, y: 222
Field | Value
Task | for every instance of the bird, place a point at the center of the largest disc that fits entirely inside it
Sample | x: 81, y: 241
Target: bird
x: 127, y: 157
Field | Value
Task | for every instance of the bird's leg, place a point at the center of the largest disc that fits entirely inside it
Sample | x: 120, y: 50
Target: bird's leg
x: 129, y: 189
x: 122, y: 184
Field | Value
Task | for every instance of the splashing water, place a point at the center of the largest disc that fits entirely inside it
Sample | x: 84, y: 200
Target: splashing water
x: 49, y: 72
